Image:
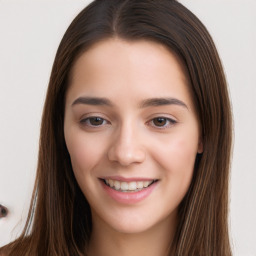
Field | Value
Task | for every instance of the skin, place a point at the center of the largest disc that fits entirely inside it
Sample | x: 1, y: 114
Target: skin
x: 129, y: 141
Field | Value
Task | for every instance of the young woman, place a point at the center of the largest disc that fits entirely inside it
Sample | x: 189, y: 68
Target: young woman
x: 135, y: 140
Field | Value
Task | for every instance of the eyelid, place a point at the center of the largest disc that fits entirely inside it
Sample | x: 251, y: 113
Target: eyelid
x: 93, y: 114
x: 171, y: 122
x: 89, y: 116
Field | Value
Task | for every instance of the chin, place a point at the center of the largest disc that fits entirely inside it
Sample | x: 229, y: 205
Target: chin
x: 136, y: 222
x: 131, y: 227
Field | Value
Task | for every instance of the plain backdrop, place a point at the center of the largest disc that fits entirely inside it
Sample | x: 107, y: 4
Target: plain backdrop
x: 30, y: 32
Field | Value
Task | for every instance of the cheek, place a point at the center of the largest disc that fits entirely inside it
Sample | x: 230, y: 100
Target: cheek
x: 177, y: 160
x: 182, y: 160
x: 178, y: 163
x: 183, y: 152
x: 179, y: 149
x: 84, y: 153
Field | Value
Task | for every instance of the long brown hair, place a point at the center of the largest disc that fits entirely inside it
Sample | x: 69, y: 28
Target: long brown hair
x: 59, y: 220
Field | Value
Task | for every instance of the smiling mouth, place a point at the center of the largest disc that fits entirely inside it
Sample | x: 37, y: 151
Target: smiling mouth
x: 133, y: 186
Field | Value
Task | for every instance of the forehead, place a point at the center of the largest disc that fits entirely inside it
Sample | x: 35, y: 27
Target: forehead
x: 131, y: 67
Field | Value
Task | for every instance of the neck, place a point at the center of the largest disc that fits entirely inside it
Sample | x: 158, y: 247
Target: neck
x: 152, y: 242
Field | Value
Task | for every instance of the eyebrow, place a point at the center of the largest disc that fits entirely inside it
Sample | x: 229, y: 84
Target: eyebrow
x: 162, y: 102
x: 96, y: 101
x: 92, y: 101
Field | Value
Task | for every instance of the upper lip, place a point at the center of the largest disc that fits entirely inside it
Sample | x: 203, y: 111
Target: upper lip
x: 130, y: 179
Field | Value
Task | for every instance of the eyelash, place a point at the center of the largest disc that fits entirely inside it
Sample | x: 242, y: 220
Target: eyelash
x: 170, y: 122
x: 86, y: 121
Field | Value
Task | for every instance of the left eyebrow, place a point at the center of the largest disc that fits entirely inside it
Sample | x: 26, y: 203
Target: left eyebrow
x: 92, y: 101
x: 162, y: 102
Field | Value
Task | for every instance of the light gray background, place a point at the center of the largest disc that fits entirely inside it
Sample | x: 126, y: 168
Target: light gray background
x: 30, y: 32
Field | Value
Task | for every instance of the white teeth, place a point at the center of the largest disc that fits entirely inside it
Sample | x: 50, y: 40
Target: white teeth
x: 132, y: 185
x: 140, y: 184
x: 117, y: 185
x: 145, y: 184
x: 124, y: 186
x: 128, y: 186
x: 111, y: 183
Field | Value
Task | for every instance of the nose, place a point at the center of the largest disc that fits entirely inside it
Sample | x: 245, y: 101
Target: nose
x: 126, y: 148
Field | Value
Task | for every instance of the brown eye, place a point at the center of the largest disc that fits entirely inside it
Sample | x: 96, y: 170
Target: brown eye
x: 96, y: 121
x: 93, y: 121
x: 162, y: 122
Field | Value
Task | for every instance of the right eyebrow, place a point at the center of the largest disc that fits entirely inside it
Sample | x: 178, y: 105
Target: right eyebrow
x: 92, y: 101
x: 161, y: 102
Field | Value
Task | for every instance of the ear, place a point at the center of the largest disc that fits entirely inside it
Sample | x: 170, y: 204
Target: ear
x: 200, y: 148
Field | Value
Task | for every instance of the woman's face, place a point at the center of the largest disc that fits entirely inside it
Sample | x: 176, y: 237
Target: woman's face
x: 132, y: 133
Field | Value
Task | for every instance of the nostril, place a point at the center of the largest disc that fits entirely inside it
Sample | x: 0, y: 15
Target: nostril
x: 3, y: 211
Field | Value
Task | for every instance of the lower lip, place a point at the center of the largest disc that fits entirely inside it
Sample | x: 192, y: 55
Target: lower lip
x: 129, y: 197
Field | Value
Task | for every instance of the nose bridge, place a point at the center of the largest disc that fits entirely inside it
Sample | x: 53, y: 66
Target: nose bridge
x: 127, y: 145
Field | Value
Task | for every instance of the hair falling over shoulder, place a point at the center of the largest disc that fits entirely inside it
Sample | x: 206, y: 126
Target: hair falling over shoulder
x: 59, y: 220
